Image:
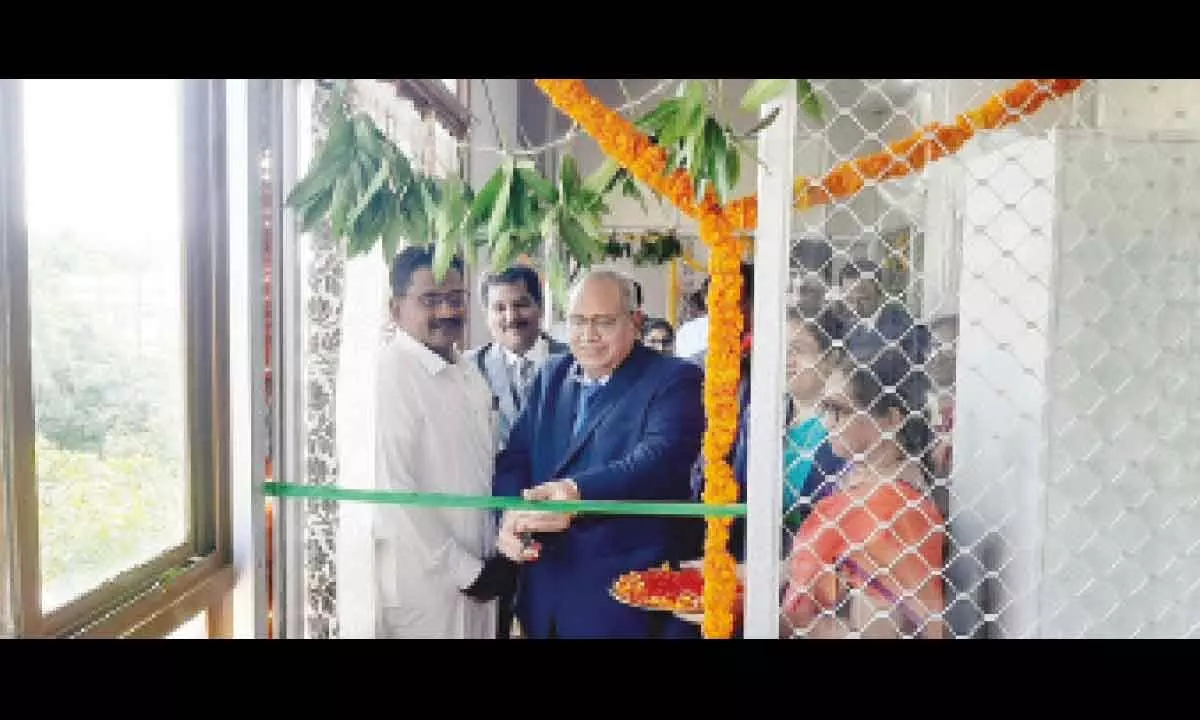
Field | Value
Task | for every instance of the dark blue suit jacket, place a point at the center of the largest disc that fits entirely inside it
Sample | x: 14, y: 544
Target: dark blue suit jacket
x: 640, y: 439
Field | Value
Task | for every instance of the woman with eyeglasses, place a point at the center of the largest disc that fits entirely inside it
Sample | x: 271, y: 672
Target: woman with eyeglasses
x: 867, y: 561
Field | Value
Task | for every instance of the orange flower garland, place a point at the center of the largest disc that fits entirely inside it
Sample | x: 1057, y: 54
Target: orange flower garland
x: 647, y: 162
x: 621, y: 140
x: 932, y: 142
x: 722, y: 372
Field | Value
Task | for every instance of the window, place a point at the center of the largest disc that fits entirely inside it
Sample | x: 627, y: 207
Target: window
x: 113, y: 247
x: 194, y: 629
x: 439, y: 97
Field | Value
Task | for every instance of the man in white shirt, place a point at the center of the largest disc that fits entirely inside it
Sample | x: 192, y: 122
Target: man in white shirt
x: 692, y: 337
x: 436, y: 573
x: 512, y: 301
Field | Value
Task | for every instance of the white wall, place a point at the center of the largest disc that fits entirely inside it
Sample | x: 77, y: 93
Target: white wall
x: 1149, y: 104
x: 941, y: 100
x: 1123, y: 481
x: 1076, y: 431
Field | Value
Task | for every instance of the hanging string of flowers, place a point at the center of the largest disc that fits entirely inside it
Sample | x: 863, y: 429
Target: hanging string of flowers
x: 722, y: 373
x: 623, y: 142
x: 930, y: 143
x: 647, y: 162
x: 719, y: 228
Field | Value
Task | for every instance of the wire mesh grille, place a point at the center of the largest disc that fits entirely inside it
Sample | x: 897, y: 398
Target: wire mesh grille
x: 989, y: 368
x: 993, y: 424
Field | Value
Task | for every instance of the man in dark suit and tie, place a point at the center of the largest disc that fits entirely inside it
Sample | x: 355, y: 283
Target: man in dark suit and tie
x: 613, y: 420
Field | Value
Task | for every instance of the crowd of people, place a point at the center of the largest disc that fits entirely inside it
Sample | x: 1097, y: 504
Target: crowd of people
x: 617, y: 413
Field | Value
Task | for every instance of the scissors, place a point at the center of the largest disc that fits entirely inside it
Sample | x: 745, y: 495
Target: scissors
x: 528, y: 544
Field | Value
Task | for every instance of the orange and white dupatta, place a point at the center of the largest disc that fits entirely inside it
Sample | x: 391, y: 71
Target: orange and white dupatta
x: 876, y: 549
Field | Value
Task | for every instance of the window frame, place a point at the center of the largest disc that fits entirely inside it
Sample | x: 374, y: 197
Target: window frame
x: 432, y: 96
x: 164, y: 591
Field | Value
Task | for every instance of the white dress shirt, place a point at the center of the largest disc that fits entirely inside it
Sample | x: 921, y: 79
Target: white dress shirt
x: 692, y: 337
x: 534, y: 358
x: 433, y: 435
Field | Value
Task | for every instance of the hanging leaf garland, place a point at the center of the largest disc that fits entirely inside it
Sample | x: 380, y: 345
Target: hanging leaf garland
x: 367, y: 191
x: 655, y: 247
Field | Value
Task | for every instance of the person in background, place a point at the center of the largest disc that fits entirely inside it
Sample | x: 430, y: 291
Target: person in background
x: 659, y: 335
x: 692, y: 337
x: 868, y: 560
x: 862, y: 288
x: 942, y: 366
x: 512, y: 301
x: 613, y: 420
x: 435, y: 572
x: 863, y: 294
x: 809, y: 463
x: 639, y: 315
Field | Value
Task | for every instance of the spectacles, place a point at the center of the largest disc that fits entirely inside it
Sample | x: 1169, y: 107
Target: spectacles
x: 454, y: 299
x: 602, y: 324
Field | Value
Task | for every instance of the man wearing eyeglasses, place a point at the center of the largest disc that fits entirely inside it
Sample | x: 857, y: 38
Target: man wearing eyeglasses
x: 613, y: 420
x: 436, y: 575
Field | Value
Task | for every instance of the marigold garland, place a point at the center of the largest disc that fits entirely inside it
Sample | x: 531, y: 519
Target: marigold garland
x: 719, y: 227
x: 621, y: 140
x: 722, y: 372
x: 932, y: 142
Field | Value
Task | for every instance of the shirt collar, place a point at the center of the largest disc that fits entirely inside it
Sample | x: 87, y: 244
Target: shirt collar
x: 431, y: 361
x: 538, y: 353
x: 576, y: 374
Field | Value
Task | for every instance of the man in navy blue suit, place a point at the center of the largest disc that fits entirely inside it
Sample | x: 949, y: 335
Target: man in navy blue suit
x: 612, y: 420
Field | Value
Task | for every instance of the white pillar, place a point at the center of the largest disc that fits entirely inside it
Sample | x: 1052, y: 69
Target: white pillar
x: 764, y: 492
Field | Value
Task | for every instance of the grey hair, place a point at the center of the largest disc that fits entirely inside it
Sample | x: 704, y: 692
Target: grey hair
x: 623, y: 281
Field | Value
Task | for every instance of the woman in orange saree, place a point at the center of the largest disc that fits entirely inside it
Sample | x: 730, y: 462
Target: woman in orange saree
x: 867, y: 561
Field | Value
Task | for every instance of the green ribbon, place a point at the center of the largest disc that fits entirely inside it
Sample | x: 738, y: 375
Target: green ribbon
x: 487, y: 502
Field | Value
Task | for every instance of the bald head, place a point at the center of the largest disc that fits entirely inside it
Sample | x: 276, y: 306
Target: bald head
x: 601, y: 322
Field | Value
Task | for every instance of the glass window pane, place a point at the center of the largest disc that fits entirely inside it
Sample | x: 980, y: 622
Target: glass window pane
x: 104, y: 210
x: 452, y: 86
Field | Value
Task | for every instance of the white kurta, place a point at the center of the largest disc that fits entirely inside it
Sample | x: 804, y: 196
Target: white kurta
x: 434, y: 434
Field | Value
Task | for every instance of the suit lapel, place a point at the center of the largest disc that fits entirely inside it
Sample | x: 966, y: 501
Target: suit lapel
x: 498, y: 372
x: 563, y: 414
x: 603, y: 402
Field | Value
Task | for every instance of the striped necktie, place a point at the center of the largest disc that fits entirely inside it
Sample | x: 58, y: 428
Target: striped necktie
x: 522, y: 373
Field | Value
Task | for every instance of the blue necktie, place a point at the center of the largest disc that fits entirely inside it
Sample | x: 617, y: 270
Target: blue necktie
x: 586, y: 391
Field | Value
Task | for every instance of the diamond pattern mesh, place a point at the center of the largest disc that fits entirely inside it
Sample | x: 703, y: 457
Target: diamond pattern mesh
x: 1001, y: 351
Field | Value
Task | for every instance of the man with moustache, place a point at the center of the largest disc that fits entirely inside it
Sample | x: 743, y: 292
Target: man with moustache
x: 436, y: 575
x: 613, y: 420
x: 512, y: 300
